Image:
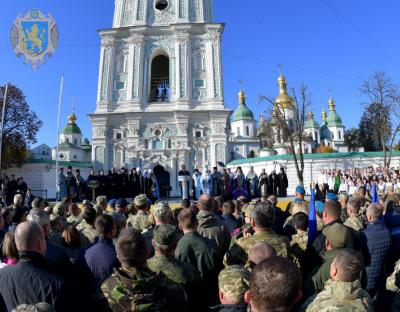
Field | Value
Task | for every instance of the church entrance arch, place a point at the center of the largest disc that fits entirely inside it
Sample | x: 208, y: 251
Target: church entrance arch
x: 163, y: 179
x: 160, y: 86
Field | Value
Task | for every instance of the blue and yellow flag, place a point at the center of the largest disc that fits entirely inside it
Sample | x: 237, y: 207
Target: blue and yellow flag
x: 374, y: 195
x: 312, y: 218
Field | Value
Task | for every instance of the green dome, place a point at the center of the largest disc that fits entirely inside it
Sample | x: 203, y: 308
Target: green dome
x: 311, y: 122
x: 334, y: 119
x: 72, y: 129
x: 243, y: 113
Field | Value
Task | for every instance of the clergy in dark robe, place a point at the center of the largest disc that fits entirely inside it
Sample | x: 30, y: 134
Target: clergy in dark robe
x: 282, y: 183
x: 112, y: 179
x: 215, y: 183
x: 134, y: 184
x: 184, y: 172
x: 252, y: 183
x: 263, y: 183
x: 71, y: 183
x: 80, y: 186
x: 124, y: 182
x: 273, y: 183
x: 103, y: 188
x: 226, y: 184
x: 147, y: 184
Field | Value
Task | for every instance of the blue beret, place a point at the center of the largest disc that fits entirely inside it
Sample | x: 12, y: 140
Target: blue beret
x: 331, y: 196
x: 319, y: 206
x: 300, y: 190
x: 112, y: 202
x: 298, y: 200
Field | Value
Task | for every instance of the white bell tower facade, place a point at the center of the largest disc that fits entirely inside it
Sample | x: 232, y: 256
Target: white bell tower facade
x: 160, y: 100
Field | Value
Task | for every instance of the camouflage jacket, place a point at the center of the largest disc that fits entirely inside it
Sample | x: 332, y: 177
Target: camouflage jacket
x: 340, y: 296
x: 139, y: 289
x: 89, y: 235
x: 393, y: 281
x: 355, y: 222
x: 300, y: 239
x: 139, y: 221
x: 74, y: 220
x: 279, y: 242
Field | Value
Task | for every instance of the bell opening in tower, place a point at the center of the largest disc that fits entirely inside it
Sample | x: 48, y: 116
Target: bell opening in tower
x: 160, y: 88
x: 161, y: 5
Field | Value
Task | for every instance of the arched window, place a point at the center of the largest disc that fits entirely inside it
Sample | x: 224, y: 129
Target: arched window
x: 169, y: 143
x: 238, y: 131
x: 340, y: 135
x: 75, y: 142
x: 159, y: 86
x: 252, y: 154
x: 247, y: 130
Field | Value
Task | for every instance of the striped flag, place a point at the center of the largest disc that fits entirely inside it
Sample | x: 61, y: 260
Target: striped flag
x: 312, y: 217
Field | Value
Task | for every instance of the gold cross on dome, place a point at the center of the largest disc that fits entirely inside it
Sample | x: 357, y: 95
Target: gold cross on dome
x: 241, y: 84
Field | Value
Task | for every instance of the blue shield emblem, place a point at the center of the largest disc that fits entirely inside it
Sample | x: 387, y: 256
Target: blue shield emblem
x: 34, y: 36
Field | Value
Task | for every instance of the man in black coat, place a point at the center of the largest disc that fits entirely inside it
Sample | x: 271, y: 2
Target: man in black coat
x: 30, y: 281
x: 282, y: 183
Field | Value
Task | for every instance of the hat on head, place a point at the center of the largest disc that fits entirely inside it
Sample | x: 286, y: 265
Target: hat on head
x: 233, y: 282
x: 141, y: 200
x: 319, y: 206
x: 121, y: 202
x: 336, y: 234
x: 248, y: 211
x: 331, y: 196
x: 112, y: 202
x: 162, y: 210
x: 300, y: 189
x: 164, y: 234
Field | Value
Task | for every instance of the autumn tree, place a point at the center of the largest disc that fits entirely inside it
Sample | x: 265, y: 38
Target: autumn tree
x: 288, y: 117
x: 380, y: 122
x: 325, y: 149
x: 21, y: 126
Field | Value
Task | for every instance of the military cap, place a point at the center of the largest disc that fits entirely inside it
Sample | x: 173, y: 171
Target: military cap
x: 101, y: 200
x: 331, y: 196
x: 336, y: 234
x: 248, y: 211
x: 121, y: 202
x: 162, y: 210
x: 300, y: 189
x: 141, y: 200
x: 164, y: 234
x: 233, y: 282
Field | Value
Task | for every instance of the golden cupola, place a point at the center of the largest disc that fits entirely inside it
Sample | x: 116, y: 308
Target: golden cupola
x: 283, y: 100
x: 324, y: 115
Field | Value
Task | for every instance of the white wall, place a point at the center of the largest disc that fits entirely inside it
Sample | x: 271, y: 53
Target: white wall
x: 313, y: 167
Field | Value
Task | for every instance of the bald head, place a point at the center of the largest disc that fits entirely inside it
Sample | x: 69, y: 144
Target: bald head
x: 205, y: 203
x: 260, y: 252
x: 29, y: 236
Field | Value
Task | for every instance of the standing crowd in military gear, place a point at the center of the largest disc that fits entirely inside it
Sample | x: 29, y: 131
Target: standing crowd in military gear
x: 213, y: 254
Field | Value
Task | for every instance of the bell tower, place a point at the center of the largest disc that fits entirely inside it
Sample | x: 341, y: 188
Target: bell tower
x: 160, y: 97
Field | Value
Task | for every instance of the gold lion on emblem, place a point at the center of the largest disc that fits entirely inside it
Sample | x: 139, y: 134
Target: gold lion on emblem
x: 36, y: 39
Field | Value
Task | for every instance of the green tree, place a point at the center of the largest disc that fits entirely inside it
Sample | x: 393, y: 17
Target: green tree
x: 352, y: 139
x: 21, y: 126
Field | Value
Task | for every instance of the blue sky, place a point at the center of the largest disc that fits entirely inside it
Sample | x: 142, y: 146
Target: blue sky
x: 327, y: 44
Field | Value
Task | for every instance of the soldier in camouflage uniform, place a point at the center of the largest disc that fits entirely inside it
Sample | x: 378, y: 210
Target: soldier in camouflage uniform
x: 233, y: 282
x: 165, y: 241
x: 74, y: 215
x: 343, y: 292
x: 140, y: 221
x: 263, y: 219
x: 39, y: 307
x: 299, y: 242
x: 89, y: 234
x: 393, y: 285
x: 134, y: 287
x: 101, y: 205
x: 355, y: 219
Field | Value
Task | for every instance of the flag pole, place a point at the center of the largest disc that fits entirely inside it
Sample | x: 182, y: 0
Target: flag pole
x: 58, y: 129
x: 2, y: 126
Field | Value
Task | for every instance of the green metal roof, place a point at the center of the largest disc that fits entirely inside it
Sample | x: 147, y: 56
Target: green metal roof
x: 311, y: 156
x: 61, y: 163
x: 311, y: 123
x: 67, y: 145
x: 243, y: 113
x: 334, y: 119
x: 72, y: 128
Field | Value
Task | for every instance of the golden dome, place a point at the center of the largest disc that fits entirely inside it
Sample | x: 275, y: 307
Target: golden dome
x: 241, y: 97
x: 262, y: 121
x: 324, y: 115
x: 331, y: 105
x: 72, y: 118
x: 283, y: 99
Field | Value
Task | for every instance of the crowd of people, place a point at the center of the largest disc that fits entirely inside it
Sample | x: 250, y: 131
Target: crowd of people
x: 121, y: 184
x: 212, y: 254
x: 10, y: 186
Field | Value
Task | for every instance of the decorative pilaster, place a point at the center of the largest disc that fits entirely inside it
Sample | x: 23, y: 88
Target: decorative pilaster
x: 182, y: 65
x: 135, y: 70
